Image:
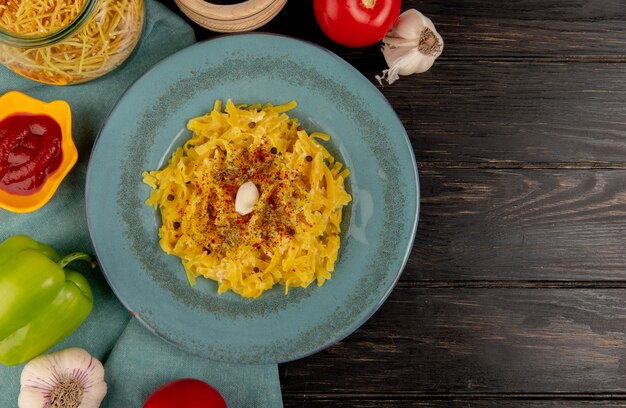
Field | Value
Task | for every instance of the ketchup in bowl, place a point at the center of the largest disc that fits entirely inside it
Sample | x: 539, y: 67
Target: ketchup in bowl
x: 30, y: 150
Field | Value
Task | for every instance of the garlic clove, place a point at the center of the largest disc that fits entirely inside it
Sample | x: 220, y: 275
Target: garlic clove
x: 69, y: 378
x: 393, y: 42
x: 411, y: 46
x: 407, y: 26
x: 408, y: 61
x: 247, y: 197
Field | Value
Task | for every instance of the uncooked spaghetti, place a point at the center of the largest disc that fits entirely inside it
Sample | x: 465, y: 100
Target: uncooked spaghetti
x: 99, y: 46
x: 38, y: 17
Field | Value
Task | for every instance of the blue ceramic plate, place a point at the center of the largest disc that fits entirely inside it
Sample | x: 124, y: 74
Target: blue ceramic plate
x: 148, y: 123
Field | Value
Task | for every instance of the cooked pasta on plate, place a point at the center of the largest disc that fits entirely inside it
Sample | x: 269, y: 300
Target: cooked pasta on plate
x: 289, y: 235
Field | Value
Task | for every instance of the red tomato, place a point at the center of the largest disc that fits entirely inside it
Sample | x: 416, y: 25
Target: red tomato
x: 185, y: 393
x: 356, y: 23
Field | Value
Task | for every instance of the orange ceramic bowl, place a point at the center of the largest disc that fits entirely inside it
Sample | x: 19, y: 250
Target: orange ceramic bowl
x: 16, y: 102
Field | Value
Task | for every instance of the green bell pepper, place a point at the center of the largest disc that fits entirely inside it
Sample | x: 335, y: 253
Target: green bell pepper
x: 40, y: 302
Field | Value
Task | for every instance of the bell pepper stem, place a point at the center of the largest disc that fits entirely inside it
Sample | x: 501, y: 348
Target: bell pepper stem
x: 76, y: 256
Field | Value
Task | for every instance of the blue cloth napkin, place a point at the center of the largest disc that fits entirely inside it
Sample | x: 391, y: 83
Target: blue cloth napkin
x: 136, y: 361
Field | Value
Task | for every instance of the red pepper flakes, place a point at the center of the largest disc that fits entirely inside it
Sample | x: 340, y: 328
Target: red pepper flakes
x: 260, y: 164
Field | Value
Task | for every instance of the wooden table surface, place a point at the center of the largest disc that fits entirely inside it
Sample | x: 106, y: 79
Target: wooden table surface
x: 515, y: 291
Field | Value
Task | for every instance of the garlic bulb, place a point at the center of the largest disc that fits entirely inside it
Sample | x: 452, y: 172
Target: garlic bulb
x: 70, y: 378
x: 247, y: 196
x: 411, y: 47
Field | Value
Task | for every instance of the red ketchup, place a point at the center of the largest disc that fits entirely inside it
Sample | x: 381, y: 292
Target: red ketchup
x: 30, y: 150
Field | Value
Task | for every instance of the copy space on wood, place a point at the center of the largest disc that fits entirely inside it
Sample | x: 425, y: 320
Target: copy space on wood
x: 472, y: 402
x: 520, y: 225
x: 472, y: 341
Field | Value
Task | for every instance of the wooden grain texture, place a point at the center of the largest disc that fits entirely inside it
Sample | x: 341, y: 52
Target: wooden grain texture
x: 291, y: 402
x: 515, y: 112
x: 473, y: 341
x: 526, y: 28
x: 520, y: 224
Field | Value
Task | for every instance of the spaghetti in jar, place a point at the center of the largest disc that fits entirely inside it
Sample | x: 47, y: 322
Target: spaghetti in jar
x: 63, y: 42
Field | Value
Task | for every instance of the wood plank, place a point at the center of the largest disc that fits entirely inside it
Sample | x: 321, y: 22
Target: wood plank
x: 488, y: 28
x: 515, y: 112
x: 290, y: 402
x: 475, y: 341
x: 520, y: 225
x: 527, y: 27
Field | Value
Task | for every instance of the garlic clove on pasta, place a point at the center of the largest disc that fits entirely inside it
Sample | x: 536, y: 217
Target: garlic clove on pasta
x: 411, y: 47
x: 247, y: 197
x: 69, y: 378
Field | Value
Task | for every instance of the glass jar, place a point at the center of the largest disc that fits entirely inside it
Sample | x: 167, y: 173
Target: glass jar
x: 65, y: 42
